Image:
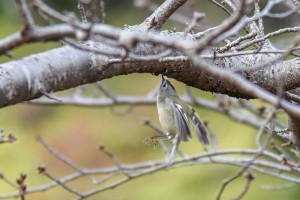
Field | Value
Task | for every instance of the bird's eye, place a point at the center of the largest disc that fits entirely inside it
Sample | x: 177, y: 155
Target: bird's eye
x: 164, y: 85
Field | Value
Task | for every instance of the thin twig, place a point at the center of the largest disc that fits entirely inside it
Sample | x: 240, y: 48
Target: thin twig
x: 50, y: 96
x: 104, y: 179
x: 284, y: 14
x: 114, y: 158
x: 221, y: 6
x: 115, y: 100
x: 206, y: 41
x: 272, y: 161
x: 250, y: 162
x: 293, y: 97
x: 9, y: 182
x: 249, y: 178
x: 44, y: 171
x: 236, y: 42
x: 25, y: 14
x: 44, y: 8
x: 279, y: 186
x: 197, y: 17
x: 260, y: 21
x: 82, y: 11
x: 59, y: 156
x: 102, y: 10
x: 267, y: 36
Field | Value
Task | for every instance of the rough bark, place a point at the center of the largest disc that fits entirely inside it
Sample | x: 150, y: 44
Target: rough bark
x: 68, y: 67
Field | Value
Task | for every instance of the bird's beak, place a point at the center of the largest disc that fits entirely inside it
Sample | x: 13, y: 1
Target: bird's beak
x: 162, y: 80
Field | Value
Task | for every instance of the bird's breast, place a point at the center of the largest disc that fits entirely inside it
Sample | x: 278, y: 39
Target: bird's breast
x: 166, y: 116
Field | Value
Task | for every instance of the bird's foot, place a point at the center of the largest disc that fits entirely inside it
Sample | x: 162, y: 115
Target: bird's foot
x: 151, y: 141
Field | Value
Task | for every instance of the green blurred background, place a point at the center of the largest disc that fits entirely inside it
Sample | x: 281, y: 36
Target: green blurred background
x: 77, y: 131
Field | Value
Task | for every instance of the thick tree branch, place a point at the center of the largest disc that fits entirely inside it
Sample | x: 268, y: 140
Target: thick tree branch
x: 66, y: 67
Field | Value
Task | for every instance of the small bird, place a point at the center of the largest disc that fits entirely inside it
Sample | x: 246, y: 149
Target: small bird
x: 174, y: 115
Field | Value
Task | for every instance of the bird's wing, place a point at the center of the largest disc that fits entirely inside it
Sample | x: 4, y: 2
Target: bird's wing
x: 181, y: 120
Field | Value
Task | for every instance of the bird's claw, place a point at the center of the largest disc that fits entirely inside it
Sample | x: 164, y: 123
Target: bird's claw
x: 151, y: 141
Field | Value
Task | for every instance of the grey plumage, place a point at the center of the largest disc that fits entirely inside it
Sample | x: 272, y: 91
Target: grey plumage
x: 174, y: 115
x: 199, y: 127
x: 182, y: 123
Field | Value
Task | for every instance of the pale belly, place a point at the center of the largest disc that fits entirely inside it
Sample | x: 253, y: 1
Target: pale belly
x: 166, y: 117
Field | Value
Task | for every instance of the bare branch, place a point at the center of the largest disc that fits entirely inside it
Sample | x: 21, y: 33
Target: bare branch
x: 207, y: 41
x: 141, y: 169
x: 161, y: 14
x: 221, y: 6
x: 9, y: 182
x: 197, y: 17
x: 43, y: 170
x: 269, y: 35
x: 262, y: 147
x: 82, y: 12
x: 25, y: 16
x: 58, y: 155
x: 249, y: 178
x: 177, y: 17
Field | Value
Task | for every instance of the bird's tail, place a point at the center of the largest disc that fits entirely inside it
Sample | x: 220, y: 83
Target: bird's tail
x: 199, y: 127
